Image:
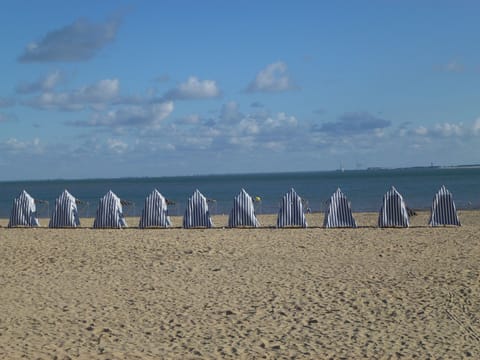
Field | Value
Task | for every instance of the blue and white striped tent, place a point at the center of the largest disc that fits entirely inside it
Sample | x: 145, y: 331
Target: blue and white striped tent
x: 291, y: 211
x: 243, y: 212
x: 393, y: 212
x: 65, y: 213
x: 109, y: 212
x: 339, y: 212
x: 443, y: 210
x: 196, y: 213
x: 24, y: 211
x: 154, y: 213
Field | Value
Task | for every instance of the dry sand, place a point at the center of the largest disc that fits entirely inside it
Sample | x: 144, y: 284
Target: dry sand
x: 242, y: 293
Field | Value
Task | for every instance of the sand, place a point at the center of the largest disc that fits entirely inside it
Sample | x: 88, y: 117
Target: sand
x: 242, y: 293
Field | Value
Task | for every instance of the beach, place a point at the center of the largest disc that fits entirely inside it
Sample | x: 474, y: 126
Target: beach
x: 269, y: 293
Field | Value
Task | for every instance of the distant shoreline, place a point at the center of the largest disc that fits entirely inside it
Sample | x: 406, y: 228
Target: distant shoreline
x: 468, y: 166
x: 247, y: 174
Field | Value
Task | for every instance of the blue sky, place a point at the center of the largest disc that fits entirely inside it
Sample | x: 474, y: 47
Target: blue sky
x: 156, y: 88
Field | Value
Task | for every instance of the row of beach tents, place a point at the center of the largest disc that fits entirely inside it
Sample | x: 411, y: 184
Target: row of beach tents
x: 393, y: 212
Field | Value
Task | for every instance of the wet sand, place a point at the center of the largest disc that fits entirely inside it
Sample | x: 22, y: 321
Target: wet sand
x: 241, y: 293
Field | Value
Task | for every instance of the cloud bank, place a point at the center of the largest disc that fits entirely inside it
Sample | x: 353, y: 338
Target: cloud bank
x: 193, y: 89
x: 97, y: 95
x: 141, y: 117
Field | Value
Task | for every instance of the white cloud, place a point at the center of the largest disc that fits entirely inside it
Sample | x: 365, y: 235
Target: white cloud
x: 379, y: 133
x: 230, y: 129
x: 97, y: 95
x: 270, y: 139
x: 230, y: 113
x: 274, y: 78
x: 160, y: 112
x: 15, y: 146
x: 104, y: 90
x: 281, y: 120
x: 259, y: 129
x: 421, y: 130
x: 168, y: 147
x: 476, y: 127
x: 194, y: 88
x: 242, y: 141
x: 117, y: 146
x: 142, y: 117
x: 447, y: 129
x: 249, y: 126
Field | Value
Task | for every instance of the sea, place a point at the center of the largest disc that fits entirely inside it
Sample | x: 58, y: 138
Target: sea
x: 363, y: 188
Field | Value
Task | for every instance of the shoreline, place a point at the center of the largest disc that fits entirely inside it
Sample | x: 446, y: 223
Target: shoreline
x: 267, y: 221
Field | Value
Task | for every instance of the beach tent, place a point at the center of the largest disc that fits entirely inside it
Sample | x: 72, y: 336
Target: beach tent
x: 393, y: 212
x: 109, y: 212
x: 24, y: 211
x: 65, y: 213
x: 196, y: 213
x: 154, y: 213
x: 291, y: 211
x: 443, y: 210
x: 339, y: 212
x: 243, y: 212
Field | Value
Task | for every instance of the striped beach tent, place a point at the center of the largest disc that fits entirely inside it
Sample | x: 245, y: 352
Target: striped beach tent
x: 196, y: 213
x: 109, y: 212
x: 291, y: 211
x: 393, y: 212
x: 24, y: 211
x: 154, y: 213
x: 65, y: 213
x: 339, y: 212
x: 443, y: 210
x: 243, y: 212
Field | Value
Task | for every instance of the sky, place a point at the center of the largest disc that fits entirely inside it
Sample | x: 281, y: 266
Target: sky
x: 100, y: 89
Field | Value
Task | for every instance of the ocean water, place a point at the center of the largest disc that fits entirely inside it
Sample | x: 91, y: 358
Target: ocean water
x: 364, y: 188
